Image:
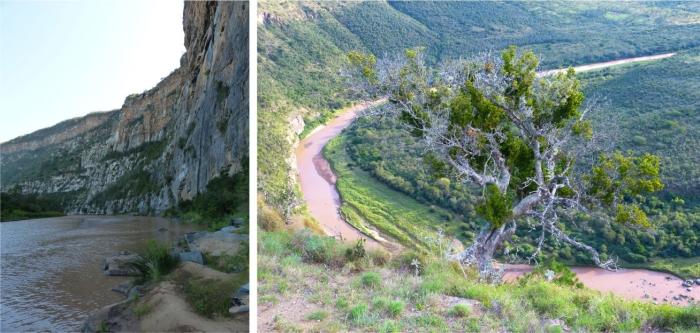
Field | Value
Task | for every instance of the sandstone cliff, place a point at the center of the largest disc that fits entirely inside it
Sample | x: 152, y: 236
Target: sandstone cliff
x: 164, y: 144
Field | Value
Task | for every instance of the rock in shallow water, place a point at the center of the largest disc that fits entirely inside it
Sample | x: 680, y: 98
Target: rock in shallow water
x: 114, y: 265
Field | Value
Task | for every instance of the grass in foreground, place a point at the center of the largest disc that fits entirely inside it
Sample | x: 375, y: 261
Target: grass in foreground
x: 333, y: 292
x: 210, y: 297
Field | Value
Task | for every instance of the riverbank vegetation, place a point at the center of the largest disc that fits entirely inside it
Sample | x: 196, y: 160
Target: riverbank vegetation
x: 311, y: 283
x: 225, y: 198
x: 208, y: 293
x: 152, y: 262
x: 18, y: 206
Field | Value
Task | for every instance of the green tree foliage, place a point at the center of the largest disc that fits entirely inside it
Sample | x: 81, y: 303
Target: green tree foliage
x: 497, y: 207
x: 224, y: 197
x: 18, y: 206
x: 496, y: 123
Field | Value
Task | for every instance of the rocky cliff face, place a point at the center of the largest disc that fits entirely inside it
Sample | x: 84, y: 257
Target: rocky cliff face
x: 163, y: 145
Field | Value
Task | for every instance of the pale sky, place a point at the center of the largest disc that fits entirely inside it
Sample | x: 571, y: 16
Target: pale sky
x: 60, y: 60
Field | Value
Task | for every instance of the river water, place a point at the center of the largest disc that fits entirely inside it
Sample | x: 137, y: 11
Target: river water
x: 318, y: 181
x: 634, y: 284
x: 50, y: 272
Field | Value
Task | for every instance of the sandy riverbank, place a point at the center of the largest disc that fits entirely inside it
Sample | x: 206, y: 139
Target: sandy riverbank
x: 163, y: 307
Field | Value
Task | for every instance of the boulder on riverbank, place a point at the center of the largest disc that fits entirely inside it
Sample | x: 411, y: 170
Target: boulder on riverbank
x: 194, y: 256
x: 216, y: 243
x: 113, y: 265
x: 240, y: 301
x: 123, y: 287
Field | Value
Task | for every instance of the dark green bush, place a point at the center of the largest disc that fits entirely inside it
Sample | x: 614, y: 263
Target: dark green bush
x: 153, y: 261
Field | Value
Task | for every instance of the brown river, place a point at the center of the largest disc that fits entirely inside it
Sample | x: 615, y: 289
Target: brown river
x: 318, y: 186
x: 50, y: 274
x: 318, y: 181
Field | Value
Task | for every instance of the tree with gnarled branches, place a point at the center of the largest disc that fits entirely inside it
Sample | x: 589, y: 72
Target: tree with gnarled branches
x: 522, y: 136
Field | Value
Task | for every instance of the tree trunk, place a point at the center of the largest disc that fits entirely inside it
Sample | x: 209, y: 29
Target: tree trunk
x: 480, y: 253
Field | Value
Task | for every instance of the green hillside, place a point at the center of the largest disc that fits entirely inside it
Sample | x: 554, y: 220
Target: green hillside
x: 657, y: 106
x: 665, y: 122
x: 302, y: 48
x: 337, y: 286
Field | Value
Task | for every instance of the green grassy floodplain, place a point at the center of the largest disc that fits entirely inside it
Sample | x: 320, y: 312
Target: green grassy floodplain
x: 366, y: 200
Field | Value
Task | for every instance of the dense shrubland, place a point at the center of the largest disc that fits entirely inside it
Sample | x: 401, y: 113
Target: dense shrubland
x: 18, y: 206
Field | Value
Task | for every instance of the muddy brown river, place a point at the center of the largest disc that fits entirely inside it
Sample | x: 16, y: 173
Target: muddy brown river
x: 318, y: 186
x: 318, y: 181
x: 629, y: 283
x: 50, y: 274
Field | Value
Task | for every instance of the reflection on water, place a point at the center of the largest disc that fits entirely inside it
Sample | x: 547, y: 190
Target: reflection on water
x: 50, y: 271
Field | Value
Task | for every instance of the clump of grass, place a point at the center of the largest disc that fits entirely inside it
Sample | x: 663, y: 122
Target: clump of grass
x: 668, y: 316
x: 390, y: 326
x: 380, y: 303
x: 341, y: 304
x: 313, y: 249
x: 370, y: 280
x: 317, y: 315
x: 212, y: 297
x: 313, y: 225
x: 153, y: 261
x: 268, y: 218
x: 141, y: 310
x: 358, y: 313
x: 395, y: 308
x: 229, y: 263
x: 459, y: 310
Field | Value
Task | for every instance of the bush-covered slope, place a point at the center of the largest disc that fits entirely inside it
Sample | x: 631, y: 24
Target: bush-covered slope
x: 302, y: 47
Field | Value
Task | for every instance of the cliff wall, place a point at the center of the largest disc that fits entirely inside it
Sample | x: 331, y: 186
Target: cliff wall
x: 163, y: 145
